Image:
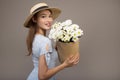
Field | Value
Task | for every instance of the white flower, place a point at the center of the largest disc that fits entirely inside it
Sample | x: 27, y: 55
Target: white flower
x: 74, y: 26
x: 74, y: 39
x: 79, y: 32
x: 65, y: 31
x: 66, y: 38
x: 67, y: 22
x: 56, y: 24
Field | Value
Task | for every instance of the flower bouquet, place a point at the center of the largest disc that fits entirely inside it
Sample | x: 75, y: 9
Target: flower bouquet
x: 67, y: 37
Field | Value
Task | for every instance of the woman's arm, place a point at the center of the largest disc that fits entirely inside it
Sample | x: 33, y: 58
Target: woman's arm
x: 44, y: 73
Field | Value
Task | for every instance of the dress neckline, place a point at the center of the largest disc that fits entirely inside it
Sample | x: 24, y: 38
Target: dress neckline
x: 41, y: 35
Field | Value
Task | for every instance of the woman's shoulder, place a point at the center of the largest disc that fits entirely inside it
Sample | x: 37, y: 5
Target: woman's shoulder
x: 42, y: 42
x: 41, y: 39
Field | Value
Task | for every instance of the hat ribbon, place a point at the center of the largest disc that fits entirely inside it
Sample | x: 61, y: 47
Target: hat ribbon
x: 40, y: 8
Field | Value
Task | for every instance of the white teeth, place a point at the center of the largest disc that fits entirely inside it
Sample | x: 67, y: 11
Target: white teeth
x: 47, y: 24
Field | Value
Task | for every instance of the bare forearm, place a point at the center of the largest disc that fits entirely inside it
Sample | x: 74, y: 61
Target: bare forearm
x: 45, y: 73
x: 50, y: 72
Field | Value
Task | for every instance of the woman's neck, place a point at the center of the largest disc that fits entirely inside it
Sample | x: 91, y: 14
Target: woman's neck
x: 40, y: 31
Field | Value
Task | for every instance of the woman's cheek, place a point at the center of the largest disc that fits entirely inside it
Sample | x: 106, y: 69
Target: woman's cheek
x: 40, y: 23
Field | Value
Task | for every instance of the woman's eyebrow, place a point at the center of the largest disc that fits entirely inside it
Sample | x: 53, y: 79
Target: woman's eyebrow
x: 43, y: 14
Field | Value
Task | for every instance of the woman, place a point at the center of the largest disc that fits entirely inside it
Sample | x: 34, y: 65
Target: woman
x: 40, y: 47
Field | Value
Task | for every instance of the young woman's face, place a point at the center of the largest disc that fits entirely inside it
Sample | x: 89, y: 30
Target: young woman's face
x: 44, y: 19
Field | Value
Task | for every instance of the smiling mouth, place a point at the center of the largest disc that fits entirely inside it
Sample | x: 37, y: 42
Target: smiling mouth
x: 48, y: 25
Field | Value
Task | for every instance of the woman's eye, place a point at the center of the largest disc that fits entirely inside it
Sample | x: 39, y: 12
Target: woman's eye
x: 43, y: 16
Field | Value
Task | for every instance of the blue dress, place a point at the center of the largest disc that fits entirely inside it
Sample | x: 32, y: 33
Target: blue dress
x: 39, y: 48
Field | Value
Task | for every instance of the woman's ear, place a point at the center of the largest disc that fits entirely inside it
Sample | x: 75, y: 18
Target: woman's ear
x: 34, y: 20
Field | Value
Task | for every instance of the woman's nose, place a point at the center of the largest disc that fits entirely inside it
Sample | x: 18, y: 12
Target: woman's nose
x: 50, y: 19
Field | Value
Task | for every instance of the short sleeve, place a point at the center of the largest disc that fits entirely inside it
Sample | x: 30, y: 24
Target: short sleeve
x: 45, y: 47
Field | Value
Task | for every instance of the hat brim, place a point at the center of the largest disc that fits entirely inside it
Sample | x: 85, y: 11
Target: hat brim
x: 55, y: 14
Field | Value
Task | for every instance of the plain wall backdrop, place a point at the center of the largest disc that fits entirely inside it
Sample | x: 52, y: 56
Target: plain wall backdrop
x: 99, y: 47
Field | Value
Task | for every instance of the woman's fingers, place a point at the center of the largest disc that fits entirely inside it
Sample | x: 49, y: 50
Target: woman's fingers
x: 72, y: 60
x: 76, y: 62
x: 76, y: 59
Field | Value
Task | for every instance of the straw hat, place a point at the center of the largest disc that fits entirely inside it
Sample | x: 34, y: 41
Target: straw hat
x: 38, y: 7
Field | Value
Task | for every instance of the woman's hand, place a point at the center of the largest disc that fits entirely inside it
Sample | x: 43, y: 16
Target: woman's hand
x: 71, y: 61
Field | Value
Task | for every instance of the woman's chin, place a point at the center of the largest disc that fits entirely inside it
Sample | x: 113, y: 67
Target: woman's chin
x: 47, y: 28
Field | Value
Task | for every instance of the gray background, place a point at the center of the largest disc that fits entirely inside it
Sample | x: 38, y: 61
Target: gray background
x: 99, y: 47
